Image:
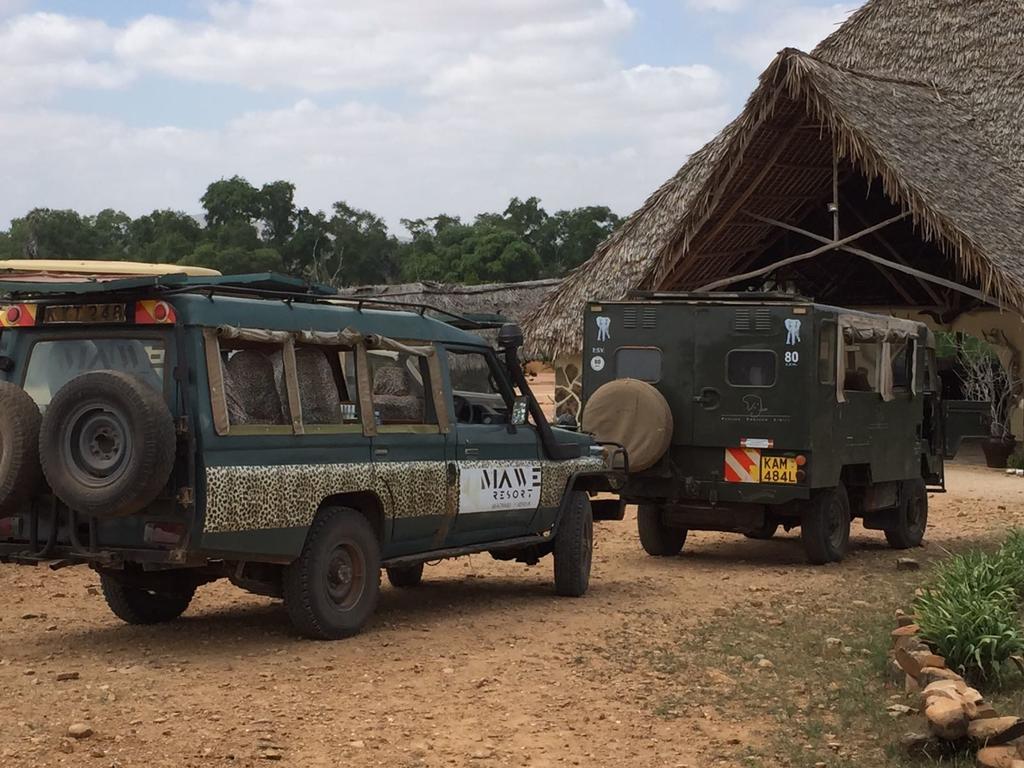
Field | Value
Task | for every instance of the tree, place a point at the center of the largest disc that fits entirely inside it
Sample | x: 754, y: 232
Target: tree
x: 163, y: 237
x: 277, y: 211
x: 231, y: 200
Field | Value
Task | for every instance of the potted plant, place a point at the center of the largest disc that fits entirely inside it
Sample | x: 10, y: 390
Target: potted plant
x: 986, y: 379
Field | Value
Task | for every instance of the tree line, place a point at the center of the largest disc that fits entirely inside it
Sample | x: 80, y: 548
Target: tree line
x: 245, y: 228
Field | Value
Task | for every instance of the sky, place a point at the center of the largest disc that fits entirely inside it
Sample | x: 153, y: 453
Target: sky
x: 407, y: 108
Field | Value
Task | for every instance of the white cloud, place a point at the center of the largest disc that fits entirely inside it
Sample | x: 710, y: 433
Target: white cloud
x: 485, y: 101
x: 43, y: 52
x: 723, y: 6
x: 800, y: 27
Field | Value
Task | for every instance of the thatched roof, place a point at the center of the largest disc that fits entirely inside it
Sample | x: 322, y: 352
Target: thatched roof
x: 925, y: 96
x: 510, y: 300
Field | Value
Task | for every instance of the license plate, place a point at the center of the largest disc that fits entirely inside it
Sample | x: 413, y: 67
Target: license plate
x: 778, y: 469
x: 85, y: 313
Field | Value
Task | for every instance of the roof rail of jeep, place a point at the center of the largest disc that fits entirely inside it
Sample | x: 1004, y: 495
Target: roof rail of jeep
x: 769, y: 296
x: 264, y: 285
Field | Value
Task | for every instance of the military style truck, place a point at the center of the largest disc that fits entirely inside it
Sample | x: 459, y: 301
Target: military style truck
x: 745, y: 412
x: 173, y: 429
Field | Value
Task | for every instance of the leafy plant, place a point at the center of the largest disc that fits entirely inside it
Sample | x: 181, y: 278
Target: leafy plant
x: 969, y: 614
x: 1015, y: 461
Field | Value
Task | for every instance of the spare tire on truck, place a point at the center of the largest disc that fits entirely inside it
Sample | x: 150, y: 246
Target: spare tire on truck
x: 635, y: 415
x: 19, y: 447
x: 107, y: 443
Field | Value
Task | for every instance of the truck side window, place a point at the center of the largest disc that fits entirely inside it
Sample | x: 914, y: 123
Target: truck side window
x: 643, y: 363
x: 862, y: 367
x: 324, y: 393
x: 254, y: 384
x: 750, y: 368
x: 399, y: 395
x: 477, y: 392
x: 902, y: 370
x: 827, y: 353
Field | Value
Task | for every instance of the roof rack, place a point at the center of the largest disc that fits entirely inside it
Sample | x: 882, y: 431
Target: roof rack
x: 264, y: 285
x: 776, y: 296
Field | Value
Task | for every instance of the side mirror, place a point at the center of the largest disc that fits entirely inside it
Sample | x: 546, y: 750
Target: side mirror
x: 520, y: 410
x: 510, y: 336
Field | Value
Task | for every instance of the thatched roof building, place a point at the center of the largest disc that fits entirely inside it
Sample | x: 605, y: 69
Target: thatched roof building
x: 901, y: 134
x: 509, y: 300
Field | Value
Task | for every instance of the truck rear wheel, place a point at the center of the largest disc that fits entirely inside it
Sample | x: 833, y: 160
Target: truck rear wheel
x: 331, y: 590
x: 825, y: 526
x: 657, y: 538
x: 136, y: 604
x: 911, y: 517
x: 574, y: 547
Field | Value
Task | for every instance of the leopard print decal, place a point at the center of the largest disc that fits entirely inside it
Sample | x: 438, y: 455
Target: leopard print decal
x: 287, y: 496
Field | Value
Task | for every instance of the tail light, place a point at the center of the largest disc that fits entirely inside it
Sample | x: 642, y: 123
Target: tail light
x: 10, y: 527
x: 154, y: 312
x: 18, y: 315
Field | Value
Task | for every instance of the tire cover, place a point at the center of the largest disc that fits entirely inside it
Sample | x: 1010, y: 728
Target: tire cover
x: 19, y: 447
x: 633, y: 413
x: 141, y: 452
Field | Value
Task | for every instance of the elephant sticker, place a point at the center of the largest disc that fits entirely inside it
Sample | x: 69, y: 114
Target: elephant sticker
x: 792, y: 331
x: 603, y: 326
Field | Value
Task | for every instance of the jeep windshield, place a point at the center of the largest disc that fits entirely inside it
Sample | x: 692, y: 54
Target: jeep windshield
x: 53, y: 363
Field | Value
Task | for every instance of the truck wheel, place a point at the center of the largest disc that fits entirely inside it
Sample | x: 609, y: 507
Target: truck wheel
x: 912, y: 517
x: 19, y: 447
x: 406, y: 575
x: 107, y: 443
x: 141, y: 605
x: 657, y: 538
x: 331, y: 590
x: 574, y: 547
x: 825, y: 526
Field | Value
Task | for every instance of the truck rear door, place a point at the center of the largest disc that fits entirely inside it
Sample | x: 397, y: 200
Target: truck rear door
x: 750, y: 376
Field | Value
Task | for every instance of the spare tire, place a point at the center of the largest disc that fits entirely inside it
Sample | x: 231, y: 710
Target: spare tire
x: 107, y: 443
x: 19, y: 447
x: 635, y: 415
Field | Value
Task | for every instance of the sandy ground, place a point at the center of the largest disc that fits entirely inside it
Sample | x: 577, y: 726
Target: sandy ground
x: 481, y: 665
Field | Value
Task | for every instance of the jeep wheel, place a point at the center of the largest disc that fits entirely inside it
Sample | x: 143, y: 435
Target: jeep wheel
x: 657, y: 538
x: 825, y: 526
x: 331, y: 590
x: 135, y: 604
x: 107, y: 443
x: 765, y: 532
x: 574, y: 547
x: 912, y: 517
x: 19, y: 447
x: 406, y: 575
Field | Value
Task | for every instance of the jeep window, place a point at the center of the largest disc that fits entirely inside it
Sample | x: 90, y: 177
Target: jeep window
x: 479, y: 392
x: 399, y: 394
x: 827, y: 352
x: 862, y: 367
x: 52, y: 364
x: 254, y: 384
x: 643, y: 363
x: 902, y: 356
x: 324, y: 393
x: 750, y: 368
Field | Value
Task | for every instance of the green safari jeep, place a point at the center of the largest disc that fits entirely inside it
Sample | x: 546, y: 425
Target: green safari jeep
x: 746, y: 412
x: 173, y: 430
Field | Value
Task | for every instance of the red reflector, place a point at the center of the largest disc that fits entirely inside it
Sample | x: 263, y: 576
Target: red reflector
x: 163, y: 533
x: 160, y: 311
x: 801, y: 460
x: 154, y: 312
x: 13, y: 314
x: 8, y: 527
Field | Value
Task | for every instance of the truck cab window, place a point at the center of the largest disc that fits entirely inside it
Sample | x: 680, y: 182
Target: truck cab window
x: 902, y: 356
x: 750, y: 368
x: 478, y: 394
x: 399, y: 396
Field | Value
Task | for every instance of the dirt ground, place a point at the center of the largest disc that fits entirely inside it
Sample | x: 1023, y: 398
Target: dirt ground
x: 482, y: 665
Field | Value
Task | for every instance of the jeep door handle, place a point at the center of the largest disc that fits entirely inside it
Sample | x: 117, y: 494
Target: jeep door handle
x: 471, y: 451
x: 380, y: 451
x: 708, y: 397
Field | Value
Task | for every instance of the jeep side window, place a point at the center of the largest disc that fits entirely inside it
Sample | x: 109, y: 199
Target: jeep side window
x: 324, y: 393
x: 254, y: 384
x: 902, y: 356
x: 478, y: 389
x: 827, y: 352
x: 399, y: 394
x: 643, y: 363
x: 750, y: 368
x: 862, y: 367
